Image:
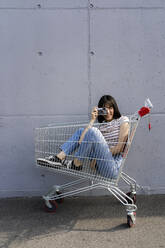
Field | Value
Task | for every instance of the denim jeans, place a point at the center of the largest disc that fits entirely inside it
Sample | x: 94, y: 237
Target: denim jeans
x: 95, y: 147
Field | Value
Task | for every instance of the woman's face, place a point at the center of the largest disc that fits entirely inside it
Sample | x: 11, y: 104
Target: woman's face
x: 110, y: 113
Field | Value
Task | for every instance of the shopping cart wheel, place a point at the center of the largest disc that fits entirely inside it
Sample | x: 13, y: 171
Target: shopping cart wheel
x: 50, y: 206
x: 131, y: 219
x: 132, y: 196
x: 60, y: 200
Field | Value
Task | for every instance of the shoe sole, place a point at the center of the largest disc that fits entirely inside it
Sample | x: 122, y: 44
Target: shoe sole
x: 45, y: 162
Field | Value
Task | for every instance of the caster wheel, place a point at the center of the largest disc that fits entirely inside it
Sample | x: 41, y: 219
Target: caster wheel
x: 60, y: 200
x: 132, y: 196
x: 131, y: 220
x: 51, y: 206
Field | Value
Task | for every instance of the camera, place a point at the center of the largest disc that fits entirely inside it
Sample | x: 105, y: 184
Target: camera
x: 102, y: 111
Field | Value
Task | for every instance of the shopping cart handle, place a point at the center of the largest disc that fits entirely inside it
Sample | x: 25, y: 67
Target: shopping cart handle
x: 148, y: 103
x: 144, y: 111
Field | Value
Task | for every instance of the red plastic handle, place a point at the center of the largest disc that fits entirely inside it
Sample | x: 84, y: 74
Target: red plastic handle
x: 143, y: 111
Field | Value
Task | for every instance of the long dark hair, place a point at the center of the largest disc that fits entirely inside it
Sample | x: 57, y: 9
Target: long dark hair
x: 108, y: 100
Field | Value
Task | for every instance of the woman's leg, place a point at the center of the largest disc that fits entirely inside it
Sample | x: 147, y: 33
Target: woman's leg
x: 95, y: 147
x: 106, y: 165
x: 67, y: 148
x: 72, y: 144
x: 86, y: 146
x: 92, y: 145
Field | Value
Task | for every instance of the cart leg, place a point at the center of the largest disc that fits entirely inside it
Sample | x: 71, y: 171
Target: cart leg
x: 60, y: 199
x: 133, y: 186
x: 131, y: 214
x: 54, y: 191
x: 131, y: 219
x: 50, y: 206
x: 57, y: 193
x: 128, y: 202
x: 132, y: 195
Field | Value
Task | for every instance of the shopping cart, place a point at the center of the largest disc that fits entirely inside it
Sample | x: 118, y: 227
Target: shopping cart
x: 48, y: 141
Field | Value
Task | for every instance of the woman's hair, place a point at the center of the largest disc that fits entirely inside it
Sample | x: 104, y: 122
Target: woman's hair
x: 108, y: 100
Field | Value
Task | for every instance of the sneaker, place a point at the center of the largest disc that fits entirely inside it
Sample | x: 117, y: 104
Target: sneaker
x: 51, y: 160
x: 67, y: 163
x: 54, y: 158
x: 74, y: 167
x: 43, y: 162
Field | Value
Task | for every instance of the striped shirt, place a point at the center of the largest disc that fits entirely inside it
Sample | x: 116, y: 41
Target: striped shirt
x: 110, y: 130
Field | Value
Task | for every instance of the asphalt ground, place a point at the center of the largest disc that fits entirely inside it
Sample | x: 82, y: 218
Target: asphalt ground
x: 81, y: 222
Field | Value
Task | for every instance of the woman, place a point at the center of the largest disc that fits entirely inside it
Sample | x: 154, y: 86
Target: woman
x: 103, y: 145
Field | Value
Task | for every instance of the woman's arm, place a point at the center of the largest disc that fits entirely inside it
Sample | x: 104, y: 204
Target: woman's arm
x: 94, y: 115
x: 123, y: 135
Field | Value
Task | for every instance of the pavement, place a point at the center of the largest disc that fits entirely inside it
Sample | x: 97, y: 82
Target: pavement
x: 81, y: 222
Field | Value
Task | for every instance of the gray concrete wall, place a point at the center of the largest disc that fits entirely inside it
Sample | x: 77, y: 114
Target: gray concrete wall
x: 57, y: 58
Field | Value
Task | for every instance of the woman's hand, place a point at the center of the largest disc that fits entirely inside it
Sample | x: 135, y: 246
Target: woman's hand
x: 94, y: 114
x: 123, y: 136
x: 113, y: 150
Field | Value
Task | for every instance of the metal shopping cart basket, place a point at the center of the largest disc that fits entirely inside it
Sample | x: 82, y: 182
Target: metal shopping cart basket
x: 48, y: 141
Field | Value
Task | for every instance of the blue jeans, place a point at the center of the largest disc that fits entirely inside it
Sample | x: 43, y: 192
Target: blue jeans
x: 95, y: 147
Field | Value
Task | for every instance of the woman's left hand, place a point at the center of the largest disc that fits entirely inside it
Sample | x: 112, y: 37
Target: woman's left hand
x: 123, y: 136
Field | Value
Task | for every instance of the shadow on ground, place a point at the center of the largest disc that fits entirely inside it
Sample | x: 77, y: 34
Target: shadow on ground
x: 24, y: 218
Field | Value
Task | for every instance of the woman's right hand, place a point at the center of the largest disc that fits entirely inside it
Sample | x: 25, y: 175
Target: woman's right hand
x: 94, y: 114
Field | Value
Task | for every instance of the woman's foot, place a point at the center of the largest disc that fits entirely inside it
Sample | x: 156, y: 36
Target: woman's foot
x: 93, y: 164
x: 61, y: 155
x: 53, y: 159
x: 76, y: 167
